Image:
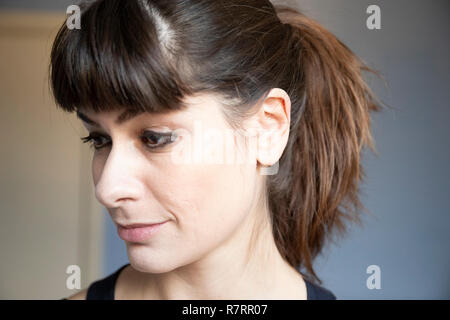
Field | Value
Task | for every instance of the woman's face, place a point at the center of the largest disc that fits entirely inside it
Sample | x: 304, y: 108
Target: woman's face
x: 203, y: 202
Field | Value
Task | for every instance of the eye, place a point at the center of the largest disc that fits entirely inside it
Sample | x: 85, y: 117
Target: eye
x: 151, y: 139
x: 94, y: 140
x: 158, y: 139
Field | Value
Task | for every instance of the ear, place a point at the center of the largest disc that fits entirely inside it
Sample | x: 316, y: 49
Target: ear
x: 272, y: 123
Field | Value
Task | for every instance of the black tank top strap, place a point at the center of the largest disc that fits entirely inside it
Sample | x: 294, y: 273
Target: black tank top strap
x: 103, y: 289
x: 315, y: 292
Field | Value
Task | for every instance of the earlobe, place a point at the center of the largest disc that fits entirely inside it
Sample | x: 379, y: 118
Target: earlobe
x: 269, y: 170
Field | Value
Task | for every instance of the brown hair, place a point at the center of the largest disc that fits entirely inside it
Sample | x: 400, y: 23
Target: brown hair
x: 146, y: 55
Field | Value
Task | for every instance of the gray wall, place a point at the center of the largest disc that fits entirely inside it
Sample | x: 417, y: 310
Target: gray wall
x: 408, y: 184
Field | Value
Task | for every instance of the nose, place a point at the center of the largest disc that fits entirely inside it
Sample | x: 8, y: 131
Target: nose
x: 120, y: 177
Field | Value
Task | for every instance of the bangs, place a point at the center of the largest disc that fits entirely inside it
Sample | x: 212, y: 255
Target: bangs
x: 113, y: 62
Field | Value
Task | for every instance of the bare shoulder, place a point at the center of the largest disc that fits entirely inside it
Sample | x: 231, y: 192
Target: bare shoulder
x: 80, y: 295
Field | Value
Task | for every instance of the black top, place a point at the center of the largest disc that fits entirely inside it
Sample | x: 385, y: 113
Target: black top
x: 103, y: 289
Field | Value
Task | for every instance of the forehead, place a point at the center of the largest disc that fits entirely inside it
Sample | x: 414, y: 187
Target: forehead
x: 121, y: 117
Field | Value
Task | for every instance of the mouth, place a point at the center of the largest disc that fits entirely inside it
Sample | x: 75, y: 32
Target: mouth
x: 138, y: 232
x: 138, y: 225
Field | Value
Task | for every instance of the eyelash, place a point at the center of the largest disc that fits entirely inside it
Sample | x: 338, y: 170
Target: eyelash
x: 170, y: 137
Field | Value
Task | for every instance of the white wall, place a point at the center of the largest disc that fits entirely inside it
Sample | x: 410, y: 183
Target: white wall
x: 48, y: 217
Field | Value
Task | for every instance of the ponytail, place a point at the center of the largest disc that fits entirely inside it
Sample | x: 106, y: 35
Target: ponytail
x: 316, y: 190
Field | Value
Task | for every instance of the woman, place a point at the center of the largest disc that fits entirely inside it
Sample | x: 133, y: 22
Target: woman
x: 227, y: 139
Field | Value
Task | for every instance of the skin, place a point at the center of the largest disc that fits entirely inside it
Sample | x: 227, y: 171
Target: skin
x: 217, y: 243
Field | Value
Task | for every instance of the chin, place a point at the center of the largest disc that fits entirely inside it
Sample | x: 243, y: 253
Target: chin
x: 147, y: 262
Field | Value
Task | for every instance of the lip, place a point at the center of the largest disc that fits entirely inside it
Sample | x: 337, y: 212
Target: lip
x: 138, y: 232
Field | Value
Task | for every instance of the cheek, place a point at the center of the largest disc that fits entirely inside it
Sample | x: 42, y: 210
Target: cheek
x: 208, y: 202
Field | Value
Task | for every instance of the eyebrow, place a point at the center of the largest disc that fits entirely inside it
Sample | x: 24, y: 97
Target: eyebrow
x: 125, y: 116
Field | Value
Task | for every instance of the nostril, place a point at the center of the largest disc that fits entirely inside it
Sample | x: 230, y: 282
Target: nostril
x: 124, y: 199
